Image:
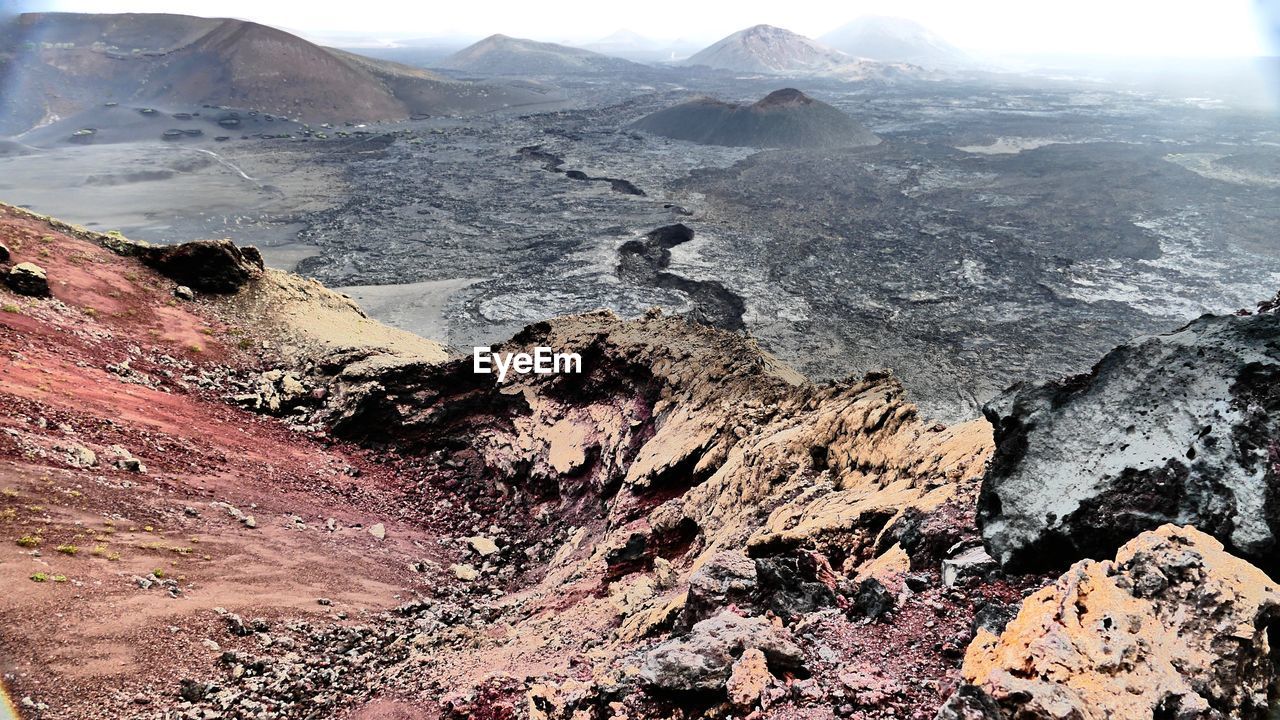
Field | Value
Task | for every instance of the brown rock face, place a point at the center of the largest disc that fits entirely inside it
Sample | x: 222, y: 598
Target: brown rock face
x: 1173, y: 628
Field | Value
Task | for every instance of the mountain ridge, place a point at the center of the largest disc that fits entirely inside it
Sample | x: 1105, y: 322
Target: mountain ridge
x: 768, y: 49
x: 62, y: 63
x: 501, y: 54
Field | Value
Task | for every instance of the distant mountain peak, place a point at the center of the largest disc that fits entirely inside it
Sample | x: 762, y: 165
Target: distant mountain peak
x: 180, y: 62
x: 894, y: 39
x: 768, y: 49
x: 504, y: 55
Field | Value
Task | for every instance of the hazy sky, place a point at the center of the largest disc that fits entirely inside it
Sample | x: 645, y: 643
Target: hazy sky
x: 1128, y: 27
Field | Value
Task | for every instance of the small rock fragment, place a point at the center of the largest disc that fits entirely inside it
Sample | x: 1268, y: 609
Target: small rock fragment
x: 182, y: 292
x: 465, y: 573
x: 974, y: 562
x: 748, y: 680
x: 379, y: 531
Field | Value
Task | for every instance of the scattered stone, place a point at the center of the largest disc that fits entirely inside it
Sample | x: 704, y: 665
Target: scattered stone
x: 126, y: 461
x: 275, y: 392
x: 993, y: 616
x: 973, y: 562
x: 795, y: 584
x: 324, y: 601
x: 917, y: 582
x: 192, y: 691
x: 482, y: 546
x: 749, y: 678
x: 79, y: 456
x: 28, y: 279
x: 379, y: 531
x: 4, y: 253
x: 465, y: 573
x: 182, y: 292
x: 702, y: 661
x: 725, y: 578
x: 970, y: 702
x: 871, y: 600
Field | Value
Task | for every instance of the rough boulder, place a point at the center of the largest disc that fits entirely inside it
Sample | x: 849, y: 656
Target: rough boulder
x: 704, y: 660
x: 215, y: 266
x: 1179, y: 428
x: 28, y: 279
x: 1175, y: 627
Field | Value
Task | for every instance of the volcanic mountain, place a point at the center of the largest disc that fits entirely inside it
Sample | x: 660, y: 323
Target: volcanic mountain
x: 56, y: 64
x: 892, y: 39
x: 503, y: 55
x: 769, y: 49
x: 783, y: 118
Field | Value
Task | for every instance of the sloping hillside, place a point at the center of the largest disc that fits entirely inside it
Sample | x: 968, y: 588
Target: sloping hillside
x: 224, y: 492
x: 503, y: 55
x: 57, y: 64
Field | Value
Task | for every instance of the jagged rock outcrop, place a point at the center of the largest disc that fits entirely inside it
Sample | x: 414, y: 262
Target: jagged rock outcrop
x: 1175, y: 627
x: 1181, y: 428
x: 215, y: 266
x: 673, y: 434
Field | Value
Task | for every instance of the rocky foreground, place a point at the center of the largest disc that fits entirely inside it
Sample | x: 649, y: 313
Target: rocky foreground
x: 229, y: 494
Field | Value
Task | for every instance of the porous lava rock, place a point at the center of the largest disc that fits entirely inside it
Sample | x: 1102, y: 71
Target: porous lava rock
x: 1175, y: 627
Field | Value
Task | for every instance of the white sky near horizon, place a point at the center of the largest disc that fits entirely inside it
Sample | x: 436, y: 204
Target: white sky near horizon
x: 1174, y: 28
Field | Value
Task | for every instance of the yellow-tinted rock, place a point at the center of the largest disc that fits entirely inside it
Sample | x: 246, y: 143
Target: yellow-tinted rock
x: 1174, y: 627
x: 748, y: 680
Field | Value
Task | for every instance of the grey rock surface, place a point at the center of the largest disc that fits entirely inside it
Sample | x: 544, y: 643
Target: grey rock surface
x: 703, y: 660
x: 1178, y: 428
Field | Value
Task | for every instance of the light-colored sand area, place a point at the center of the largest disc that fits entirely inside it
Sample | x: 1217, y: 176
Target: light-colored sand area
x: 415, y: 307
